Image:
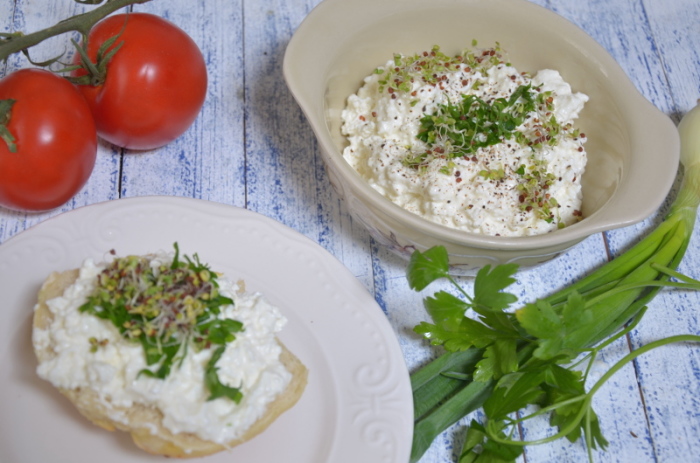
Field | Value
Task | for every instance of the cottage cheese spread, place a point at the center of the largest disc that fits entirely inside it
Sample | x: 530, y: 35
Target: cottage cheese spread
x: 526, y: 183
x: 250, y: 362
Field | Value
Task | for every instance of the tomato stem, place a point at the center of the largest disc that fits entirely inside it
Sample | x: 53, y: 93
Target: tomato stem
x: 96, y: 72
x: 19, y: 42
x: 5, y: 134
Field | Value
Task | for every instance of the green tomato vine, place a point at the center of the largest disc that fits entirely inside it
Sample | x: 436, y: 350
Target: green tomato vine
x: 16, y: 42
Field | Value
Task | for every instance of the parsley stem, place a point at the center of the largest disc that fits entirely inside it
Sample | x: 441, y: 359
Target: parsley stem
x: 459, y: 288
x: 682, y: 338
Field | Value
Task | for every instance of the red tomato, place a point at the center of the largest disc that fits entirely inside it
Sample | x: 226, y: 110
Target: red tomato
x: 154, y: 85
x: 56, y: 141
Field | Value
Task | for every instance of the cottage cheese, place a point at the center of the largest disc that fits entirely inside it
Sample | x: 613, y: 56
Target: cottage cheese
x: 250, y: 362
x: 382, y: 123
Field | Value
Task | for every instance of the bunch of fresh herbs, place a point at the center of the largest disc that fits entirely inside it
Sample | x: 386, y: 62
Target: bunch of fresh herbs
x: 539, y: 355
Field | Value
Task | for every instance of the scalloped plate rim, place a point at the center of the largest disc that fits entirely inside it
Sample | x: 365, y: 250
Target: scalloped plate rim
x: 358, y: 430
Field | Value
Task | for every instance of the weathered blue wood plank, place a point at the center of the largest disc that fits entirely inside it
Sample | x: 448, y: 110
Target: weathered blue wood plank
x: 670, y: 376
x: 655, y: 53
x: 286, y: 179
x: 252, y: 147
x: 208, y: 160
x: 655, y: 48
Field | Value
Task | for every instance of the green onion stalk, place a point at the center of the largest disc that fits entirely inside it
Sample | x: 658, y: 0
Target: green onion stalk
x: 505, y: 361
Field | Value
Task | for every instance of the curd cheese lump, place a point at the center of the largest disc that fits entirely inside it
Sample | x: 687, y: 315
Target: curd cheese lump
x: 229, y: 376
x: 470, y: 142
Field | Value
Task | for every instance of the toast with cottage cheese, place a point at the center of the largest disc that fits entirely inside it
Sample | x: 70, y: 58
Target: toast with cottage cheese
x: 145, y: 422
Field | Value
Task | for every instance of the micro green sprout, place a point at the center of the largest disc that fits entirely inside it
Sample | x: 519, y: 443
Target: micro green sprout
x: 167, y: 309
x: 469, y: 127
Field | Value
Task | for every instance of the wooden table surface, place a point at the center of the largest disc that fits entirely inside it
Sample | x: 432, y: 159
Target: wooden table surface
x: 251, y: 147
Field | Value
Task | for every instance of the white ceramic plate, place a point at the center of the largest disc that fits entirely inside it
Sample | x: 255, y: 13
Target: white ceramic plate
x: 357, y: 406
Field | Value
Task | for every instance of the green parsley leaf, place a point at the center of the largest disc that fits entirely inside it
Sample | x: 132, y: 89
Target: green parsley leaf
x: 513, y: 392
x: 436, y: 335
x: 564, y: 381
x: 540, y: 319
x: 163, y: 355
x: 489, y: 286
x: 500, y: 358
x: 211, y: 379
x: 563, y: 421
x: 505, y: 355
x: 454, y: 341
x: 553, y: 328
x: 426, y: 267
x: 485, y: 369
x: 478, y: 448
x: 221, y: 331
x: 451, y: 327
x: 446, y: 310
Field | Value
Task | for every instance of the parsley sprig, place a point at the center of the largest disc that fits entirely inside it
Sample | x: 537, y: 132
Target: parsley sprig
x: 540, y: 355
x: 167, y: 309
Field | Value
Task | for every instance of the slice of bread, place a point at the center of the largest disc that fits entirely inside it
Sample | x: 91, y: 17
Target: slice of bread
x: 145, y: 421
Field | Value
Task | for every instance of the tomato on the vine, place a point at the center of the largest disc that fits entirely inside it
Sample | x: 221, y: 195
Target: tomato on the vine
x: 153, y: 86
x: 49, y: 140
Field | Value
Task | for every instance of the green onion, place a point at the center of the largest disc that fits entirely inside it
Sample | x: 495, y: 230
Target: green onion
x: 505, y: 361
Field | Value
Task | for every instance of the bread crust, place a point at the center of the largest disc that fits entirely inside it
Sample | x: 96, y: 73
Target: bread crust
x: 144, y: 421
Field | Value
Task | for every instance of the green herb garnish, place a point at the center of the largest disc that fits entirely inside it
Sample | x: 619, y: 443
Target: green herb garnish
x: 463, y: 128
x: 211, y: 380
x: 166, y: 309
x: 427, y: 67
x: 534, y: 185
x: 493, y: 174
x: 538, y: 356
